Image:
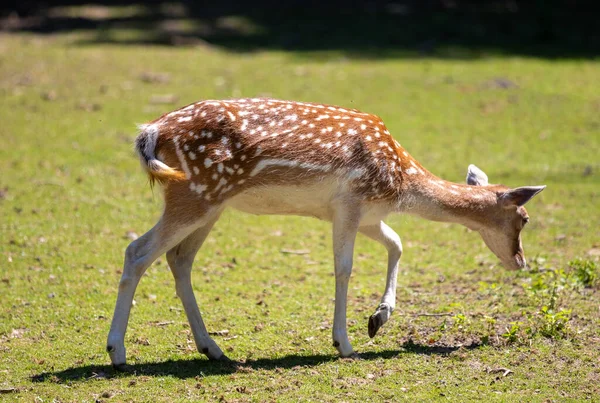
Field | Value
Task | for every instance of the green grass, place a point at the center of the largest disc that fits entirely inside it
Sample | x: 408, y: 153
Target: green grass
x: 72, y: 189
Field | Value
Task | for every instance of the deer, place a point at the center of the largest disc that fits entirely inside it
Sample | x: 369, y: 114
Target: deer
x: 268, y: 156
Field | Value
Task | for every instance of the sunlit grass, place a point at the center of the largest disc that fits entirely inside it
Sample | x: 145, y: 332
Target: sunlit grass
x: 72, y: 189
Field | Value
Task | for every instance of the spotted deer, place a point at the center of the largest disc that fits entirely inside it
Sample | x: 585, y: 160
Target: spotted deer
x: 266, y: 156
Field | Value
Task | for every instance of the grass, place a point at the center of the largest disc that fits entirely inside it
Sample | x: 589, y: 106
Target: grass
x: 464, y: 329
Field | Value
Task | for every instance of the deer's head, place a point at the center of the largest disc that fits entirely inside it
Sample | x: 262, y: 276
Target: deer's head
x: 505, y: 220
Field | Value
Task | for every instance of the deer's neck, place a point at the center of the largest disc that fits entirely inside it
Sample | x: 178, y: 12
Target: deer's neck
x: 435, y: 199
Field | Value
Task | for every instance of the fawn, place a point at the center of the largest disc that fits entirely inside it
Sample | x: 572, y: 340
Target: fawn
x: 266, y: 156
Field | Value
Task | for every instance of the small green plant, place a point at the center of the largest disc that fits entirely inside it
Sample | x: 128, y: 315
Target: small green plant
x: 486, y: 288
x: 554, y: 324
x: 512, y: 334
x: 460, y: 320
x: 490, y: 329
x: 584, y: 272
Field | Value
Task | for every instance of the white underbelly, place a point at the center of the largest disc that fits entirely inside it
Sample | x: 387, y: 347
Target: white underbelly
x: 315, y: 200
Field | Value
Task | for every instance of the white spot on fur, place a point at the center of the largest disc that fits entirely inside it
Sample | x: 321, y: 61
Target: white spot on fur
x: 181, y: 158
x: 287, y: 163
x: 208, y: 162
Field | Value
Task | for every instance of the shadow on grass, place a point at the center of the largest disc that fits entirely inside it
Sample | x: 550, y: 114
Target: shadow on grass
x: 365, y: 28
x: 184, y: 368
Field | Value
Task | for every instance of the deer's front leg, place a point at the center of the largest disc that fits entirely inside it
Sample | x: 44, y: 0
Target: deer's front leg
x: 345, y: 227
x: 388, y: 238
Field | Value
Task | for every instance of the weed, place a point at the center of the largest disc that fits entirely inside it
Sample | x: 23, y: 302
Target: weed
x: 512, y: 334
x: 554, y: 324
x: 460, y: 321
x: 584, y: 271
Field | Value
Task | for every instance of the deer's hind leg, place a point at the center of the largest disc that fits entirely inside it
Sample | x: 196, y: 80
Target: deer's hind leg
x: 180, y: 260
x: 174, y: 226
x: 388, y: 238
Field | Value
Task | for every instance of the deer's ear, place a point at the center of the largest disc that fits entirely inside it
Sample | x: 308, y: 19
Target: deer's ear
x: 476, y: 176
x: 519, y: 196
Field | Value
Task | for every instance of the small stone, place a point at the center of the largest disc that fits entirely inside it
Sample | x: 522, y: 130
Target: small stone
x: 131, y: 235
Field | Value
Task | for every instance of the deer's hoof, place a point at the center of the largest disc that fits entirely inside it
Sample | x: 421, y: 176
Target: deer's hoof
x: 378, y: 319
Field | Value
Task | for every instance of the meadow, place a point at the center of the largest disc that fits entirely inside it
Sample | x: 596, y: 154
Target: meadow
x: 72, y: 196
